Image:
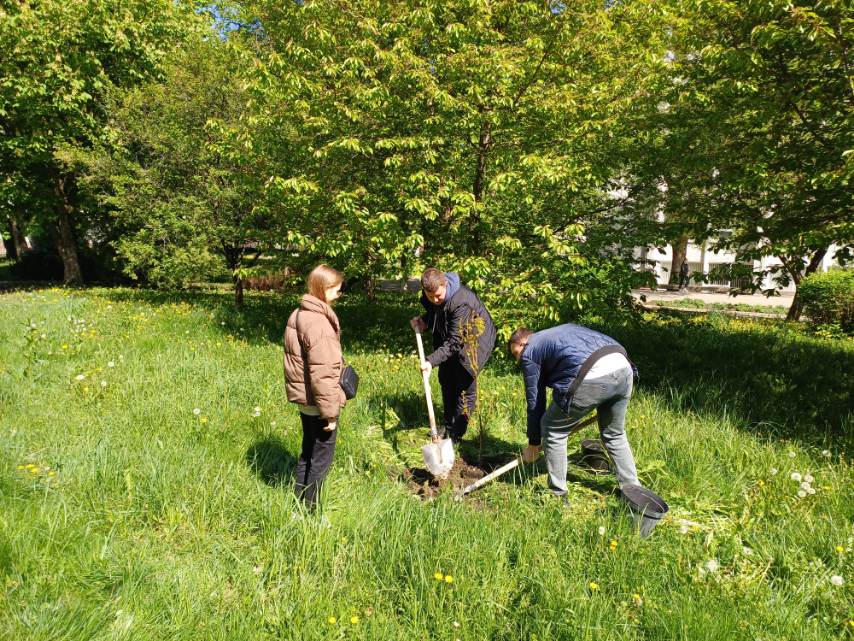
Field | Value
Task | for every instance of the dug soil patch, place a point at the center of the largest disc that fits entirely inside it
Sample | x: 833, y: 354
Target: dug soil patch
x: 423, y: 484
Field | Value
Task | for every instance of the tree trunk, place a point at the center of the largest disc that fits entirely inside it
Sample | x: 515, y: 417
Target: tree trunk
x: 65, y: 242
x: 16, y: 246
x: 483, y: 146
x: 238, y: 290
x: 794, y: 268
x: 680, y: 253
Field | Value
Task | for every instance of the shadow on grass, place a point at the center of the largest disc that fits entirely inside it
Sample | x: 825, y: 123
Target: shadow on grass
x: 270, y: 461
x: 776, y: 381
x: 772, y: 379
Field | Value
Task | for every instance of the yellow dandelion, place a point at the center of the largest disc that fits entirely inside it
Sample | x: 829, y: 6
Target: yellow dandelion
x: 439, y: 576
x: 203, y: 420
x: 354, y: 619
x: 636, y: 599
x: 840, y: 549
x: 34, y: 469
x: 332, y: 620
x: 593, y: 586
x: 760, y: 483
x: 51, y: 473
x: 65, y: 347
x: 613, y: 545
x: 449, y: 579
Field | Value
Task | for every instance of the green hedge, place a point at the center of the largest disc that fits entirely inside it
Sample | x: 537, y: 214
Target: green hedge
x: 829, y: 298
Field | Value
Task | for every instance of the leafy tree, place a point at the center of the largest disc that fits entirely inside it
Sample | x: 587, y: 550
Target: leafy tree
x: 759, y: 130
x: 482, y: 136
x: 59, y: 59
x: 180, y: 174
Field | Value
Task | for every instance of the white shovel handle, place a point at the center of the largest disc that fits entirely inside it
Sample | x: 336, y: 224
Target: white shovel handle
x: 425, y: 377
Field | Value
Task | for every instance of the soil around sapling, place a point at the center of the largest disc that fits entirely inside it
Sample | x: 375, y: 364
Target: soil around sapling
x: 424, y: 485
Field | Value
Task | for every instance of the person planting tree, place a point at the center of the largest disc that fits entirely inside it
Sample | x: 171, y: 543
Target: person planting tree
x: 463, y: 339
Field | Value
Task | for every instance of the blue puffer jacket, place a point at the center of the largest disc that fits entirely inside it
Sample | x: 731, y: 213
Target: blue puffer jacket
x: 555, y: 358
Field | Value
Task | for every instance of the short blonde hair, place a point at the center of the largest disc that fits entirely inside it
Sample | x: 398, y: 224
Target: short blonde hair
x: 322, y: 278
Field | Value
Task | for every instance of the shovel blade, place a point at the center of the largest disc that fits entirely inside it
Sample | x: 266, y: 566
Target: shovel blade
x: 439, y: 458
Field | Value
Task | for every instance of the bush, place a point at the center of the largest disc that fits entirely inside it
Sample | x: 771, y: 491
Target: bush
x: 829, y: 298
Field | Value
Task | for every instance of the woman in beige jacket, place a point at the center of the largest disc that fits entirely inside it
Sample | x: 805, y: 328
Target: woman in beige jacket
x: 313, y: 364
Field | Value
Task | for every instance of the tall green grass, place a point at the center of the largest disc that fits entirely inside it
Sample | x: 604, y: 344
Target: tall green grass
x: 125, y: 515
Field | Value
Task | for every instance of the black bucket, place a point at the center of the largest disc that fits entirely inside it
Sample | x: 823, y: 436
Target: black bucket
x: 593, y: 457
x: 646, y: 506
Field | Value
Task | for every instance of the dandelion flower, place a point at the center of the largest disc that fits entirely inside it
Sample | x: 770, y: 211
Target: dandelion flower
x: 825, y: 453
x: 203, y: 420
x: 683, y: 529
x: 613, y: 544
x: 332, y: 620
x: 111, y: 364
x: 593, y: 586
x: 449, y: 579
x: 712, y: 565
x: 456, y: 624
x: 746, y: 551
x: 80, y: 377
x: 196, y: 411
x: 103, y: 383
x: 802, y: 493
x: 836, y: 580
x: 439, y: 576
x: 354, y: 619
x: 811, y: 491
x: 809, y: 478
x: 791, y: 455
x: 805, y: 486
x: 796, y: 476
x: 839, y: 548
x: 636, y: 599
x: 601, y: 530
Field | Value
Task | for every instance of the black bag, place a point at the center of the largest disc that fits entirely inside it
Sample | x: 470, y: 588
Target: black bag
x: 349, y: 381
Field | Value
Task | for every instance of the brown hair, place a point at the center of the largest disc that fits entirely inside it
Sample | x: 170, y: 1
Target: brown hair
x: 321, y: 278
x: 520, y: 336
x: 432, y: 279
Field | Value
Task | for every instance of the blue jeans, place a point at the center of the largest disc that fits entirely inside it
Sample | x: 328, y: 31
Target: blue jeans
x: 609, y: 396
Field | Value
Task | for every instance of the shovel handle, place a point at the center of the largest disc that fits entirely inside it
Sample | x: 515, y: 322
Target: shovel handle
x: 425, y: 377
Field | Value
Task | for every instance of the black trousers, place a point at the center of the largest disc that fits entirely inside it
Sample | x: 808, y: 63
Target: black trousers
x: 318, y: 448
x: 459, y: 394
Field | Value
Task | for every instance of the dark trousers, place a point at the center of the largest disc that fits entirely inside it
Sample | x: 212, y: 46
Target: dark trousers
x: 318, y: 448
x: 459, y: 394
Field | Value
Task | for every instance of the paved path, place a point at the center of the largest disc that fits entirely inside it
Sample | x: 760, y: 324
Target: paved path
x: 710, y: 297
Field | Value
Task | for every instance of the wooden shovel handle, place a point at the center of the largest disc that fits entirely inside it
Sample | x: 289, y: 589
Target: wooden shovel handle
x: 425, y: 377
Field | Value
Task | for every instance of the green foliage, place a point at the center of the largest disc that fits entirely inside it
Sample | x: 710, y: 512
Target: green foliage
x: 758, y: 119
x: 829, y: 298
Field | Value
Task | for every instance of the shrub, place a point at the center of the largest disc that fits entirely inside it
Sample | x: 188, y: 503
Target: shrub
x: 829, y: 298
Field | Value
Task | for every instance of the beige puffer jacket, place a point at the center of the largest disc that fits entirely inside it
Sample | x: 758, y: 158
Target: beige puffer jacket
x: 313, y: 330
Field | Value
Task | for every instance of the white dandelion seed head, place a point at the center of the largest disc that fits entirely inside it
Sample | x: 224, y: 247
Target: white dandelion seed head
x: 746, y: 551
x: 111, y: 364
x: 791, y: 455
x: 456, y: 624
x: 796, y: 476
x: 825, y: 453
x: 773, y: 471
x: 712, y: 565
x: 809, y: 478
x: 805, y: 486
x: 601, y: 530
x: 836, y: 580
x: 103, y: 383
x: 683, y: 529
x: 802, y: 494
x: 811, y: 490
x: 80, y: 377
x: 196, y: 411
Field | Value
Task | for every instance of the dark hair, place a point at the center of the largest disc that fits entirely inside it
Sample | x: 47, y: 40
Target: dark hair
x: 432, y: 279
x: 520, y: 336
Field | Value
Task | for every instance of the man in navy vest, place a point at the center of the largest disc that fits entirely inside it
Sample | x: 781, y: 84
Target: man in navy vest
x: 587, y: 371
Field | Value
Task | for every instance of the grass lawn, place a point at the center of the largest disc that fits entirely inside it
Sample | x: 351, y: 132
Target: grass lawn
x: 126, y: 514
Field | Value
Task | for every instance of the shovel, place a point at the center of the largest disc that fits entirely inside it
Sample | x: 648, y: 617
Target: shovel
x: 515, y: 463
x: 439, y: 454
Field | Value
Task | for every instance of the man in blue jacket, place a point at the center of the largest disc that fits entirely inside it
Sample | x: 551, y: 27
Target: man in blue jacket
x: 587, y: 371
x: 463, y: 340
